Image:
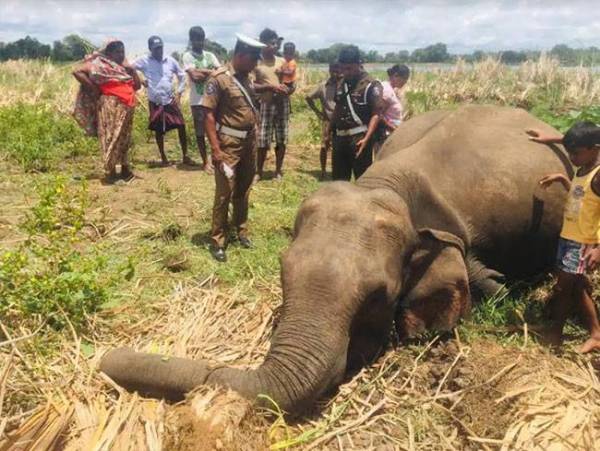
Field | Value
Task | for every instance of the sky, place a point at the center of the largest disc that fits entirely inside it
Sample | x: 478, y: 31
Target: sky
x: 386, y: 26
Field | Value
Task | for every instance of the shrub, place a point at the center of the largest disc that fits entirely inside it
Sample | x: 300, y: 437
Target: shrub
x: 37, y: 138
x: 47, y: 277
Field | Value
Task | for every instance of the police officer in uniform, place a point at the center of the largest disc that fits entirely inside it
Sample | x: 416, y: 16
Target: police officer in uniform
x: 230, y: 125
x: 358, y: 107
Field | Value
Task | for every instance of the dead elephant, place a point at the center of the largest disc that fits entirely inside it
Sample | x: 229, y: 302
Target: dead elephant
x: 451, y: 205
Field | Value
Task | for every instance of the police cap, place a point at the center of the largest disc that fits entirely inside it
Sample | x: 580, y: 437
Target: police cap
x: 248, y: 45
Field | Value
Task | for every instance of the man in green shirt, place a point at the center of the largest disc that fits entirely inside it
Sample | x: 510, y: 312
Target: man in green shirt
x: 199, y: 65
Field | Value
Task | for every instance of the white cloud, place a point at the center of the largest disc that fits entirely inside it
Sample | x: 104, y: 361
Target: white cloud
x: 379, y: 24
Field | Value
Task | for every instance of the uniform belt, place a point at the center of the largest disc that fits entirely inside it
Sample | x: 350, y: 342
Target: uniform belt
x: 352, y: 131
x: 232, y: 131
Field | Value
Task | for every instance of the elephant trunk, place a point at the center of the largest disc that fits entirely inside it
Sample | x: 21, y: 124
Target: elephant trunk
x: 307, y: 356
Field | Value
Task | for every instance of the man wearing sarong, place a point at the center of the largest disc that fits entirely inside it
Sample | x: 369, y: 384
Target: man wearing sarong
x: 165, y: 114
x: 105, y: 105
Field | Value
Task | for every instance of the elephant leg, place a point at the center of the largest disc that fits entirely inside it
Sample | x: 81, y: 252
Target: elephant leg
x: 484, y: 282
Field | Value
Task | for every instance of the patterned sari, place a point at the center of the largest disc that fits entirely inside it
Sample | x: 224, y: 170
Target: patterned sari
x: 110, y: 115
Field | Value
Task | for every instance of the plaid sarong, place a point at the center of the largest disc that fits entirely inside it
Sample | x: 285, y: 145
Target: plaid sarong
x: 165, y: 117
x: 274, y: 118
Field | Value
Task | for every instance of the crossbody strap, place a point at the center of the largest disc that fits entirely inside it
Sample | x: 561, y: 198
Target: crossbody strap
x: 246, y: 95
x: 350, y: 106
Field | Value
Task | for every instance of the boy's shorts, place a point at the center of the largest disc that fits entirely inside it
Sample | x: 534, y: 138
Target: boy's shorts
x: 570, y: 256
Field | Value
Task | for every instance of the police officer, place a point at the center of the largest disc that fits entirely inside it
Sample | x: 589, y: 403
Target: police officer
x: 356, y: 116
x: 230, y: 125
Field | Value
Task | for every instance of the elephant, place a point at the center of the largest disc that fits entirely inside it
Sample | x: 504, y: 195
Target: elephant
x: 450, y: 208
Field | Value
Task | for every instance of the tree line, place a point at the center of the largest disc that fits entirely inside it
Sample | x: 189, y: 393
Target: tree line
x: 74, y: 48
x: 438, y: 53
x: 70, y: 48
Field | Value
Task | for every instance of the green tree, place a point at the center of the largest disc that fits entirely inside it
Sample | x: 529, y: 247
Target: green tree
x: 26, y: 48
x: 216, y: 48
x: 436, y: 53
x: 71, y: 48
x: 512, y: 57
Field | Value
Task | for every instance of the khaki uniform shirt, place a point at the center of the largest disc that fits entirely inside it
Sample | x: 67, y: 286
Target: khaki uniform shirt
x: 265, y: 74
x: 226, y: 99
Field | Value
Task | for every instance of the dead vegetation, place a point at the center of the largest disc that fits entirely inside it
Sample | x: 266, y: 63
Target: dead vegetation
x: 436, y: 395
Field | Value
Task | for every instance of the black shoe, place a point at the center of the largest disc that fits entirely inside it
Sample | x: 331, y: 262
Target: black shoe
x: 109, y: 179
x: 218, y: 253
x: 246, y: 243
x: 127, y: 175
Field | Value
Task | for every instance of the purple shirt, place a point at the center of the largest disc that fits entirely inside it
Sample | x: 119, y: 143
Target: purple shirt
x: 159, y: 75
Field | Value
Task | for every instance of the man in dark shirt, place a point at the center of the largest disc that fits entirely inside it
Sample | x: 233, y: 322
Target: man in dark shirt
x: 358, y: 107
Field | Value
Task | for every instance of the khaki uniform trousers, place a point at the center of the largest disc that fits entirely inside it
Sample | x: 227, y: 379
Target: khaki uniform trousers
x: 240, y: 155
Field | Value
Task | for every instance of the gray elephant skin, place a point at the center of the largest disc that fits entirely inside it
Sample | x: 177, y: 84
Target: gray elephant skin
x: 450, y: 207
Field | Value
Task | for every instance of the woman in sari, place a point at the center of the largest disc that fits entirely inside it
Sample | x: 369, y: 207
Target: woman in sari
x: 105, y: 105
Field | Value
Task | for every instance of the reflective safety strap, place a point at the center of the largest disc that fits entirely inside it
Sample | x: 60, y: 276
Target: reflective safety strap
x: 352, y: 112
x: 246, y: 95
x: 367, y: 91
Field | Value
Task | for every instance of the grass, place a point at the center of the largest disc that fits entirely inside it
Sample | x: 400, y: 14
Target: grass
x: 156, y: 287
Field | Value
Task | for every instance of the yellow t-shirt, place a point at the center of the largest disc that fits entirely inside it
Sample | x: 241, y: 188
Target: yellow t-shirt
x: 265, y: 73
x: 581, y: 219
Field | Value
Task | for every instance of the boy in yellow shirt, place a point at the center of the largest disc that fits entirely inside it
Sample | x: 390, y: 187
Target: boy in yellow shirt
x: 579, y: 243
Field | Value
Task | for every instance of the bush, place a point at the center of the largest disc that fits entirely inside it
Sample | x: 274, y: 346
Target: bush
x: 47, y: 277
x: 38, y: 139
x: 564, y: 121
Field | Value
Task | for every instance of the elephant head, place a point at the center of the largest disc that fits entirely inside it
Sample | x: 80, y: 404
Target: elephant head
x: 359, y: 252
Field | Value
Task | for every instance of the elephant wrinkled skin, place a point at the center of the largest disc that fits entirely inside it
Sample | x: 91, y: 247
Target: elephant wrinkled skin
x: 451, y: 207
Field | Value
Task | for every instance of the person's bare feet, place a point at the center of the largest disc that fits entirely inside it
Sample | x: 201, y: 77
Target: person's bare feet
x: 591, y: 344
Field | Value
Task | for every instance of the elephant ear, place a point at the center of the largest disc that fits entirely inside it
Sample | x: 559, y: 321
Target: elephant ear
x: 437, y: 293
x: 444, y: 237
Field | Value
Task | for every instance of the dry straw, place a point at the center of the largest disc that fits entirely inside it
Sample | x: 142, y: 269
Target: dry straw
x: 440, y: 396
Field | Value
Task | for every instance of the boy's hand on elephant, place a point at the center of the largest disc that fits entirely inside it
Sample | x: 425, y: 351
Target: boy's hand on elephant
x: 538, y: 137
x: 548, y: 180
x: 533, y: 134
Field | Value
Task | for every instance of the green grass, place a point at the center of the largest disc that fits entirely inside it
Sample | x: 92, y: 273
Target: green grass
x: 39, y: 139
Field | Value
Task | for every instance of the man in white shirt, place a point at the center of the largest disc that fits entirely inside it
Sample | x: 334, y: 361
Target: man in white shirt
x: 199, y: 64
x: 159, y: 71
